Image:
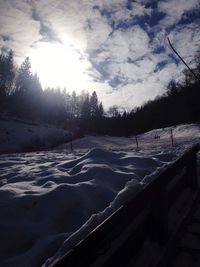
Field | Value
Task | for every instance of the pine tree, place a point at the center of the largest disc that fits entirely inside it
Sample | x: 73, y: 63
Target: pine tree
x: 85, y: 109
x: 74, y: 105
x: 24, y: 77
x: 113, y: 111
x: 94, y: 104
x: 100, y: 110
x: 28, y: 95
x: 7, y: 73
x: 35, y: 84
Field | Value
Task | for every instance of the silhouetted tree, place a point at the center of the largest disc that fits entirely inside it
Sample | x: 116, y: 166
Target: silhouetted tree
x: 94, y: 104
x: 113, y: 111
x: 74, y: 105
x: 24, y: 78
x: 85, y: 109
x: 28, y: 93
x: 100, y: 111
x: 7, y: 74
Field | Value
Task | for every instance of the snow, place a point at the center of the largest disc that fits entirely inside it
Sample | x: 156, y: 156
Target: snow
x: 19, y: 136
x: 51, y: 200
x: 183, y: 136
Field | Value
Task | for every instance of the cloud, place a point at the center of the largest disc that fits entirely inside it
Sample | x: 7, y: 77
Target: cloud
x: 132, y: 72
x: 48, y: 35
x: 134, y: 95
x: 174, y: 10
x: 123, y: 13
x: 186, y: 40
x: 20, y: 31
x: 131, y: 43
x: 123, y: 43
x: 117, y: 58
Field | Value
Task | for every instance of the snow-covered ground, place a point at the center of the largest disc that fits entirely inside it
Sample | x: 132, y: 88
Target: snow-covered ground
x: 50, y: 200
x: 19, y: 136
x: 183, y: 135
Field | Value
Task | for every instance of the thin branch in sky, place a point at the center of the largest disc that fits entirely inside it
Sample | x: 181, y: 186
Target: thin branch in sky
x: 182, y: 60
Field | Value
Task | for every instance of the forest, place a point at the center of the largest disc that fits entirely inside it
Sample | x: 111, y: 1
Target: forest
x: 22, y: 96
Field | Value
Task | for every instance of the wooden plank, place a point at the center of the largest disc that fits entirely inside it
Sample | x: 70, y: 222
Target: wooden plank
x: 170, y: 249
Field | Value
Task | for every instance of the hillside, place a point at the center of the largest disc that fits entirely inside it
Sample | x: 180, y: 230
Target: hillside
x: 23, y: 136
x: 49, y: 200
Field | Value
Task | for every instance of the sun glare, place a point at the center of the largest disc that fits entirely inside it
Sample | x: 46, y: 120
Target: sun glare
x: 59, y: 66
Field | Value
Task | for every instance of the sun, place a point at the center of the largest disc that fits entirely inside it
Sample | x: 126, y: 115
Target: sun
x: 59, y: 65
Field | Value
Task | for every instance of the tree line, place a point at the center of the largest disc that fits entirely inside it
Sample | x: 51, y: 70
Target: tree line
x: 22, y: 96
x: 179, y: 104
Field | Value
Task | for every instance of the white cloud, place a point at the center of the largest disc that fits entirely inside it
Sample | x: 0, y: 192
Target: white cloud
x: 132, y: 95
x: 122, y: 13
x: 131, y: 43
x: 139, y: 9
x: 132, y: 71
x: 123, y: 54
x: 174, y: 10
x: 16, y: 24
x: 185, y: 40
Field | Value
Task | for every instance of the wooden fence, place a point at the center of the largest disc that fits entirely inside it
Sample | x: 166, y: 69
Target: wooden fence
x: 147, y: 216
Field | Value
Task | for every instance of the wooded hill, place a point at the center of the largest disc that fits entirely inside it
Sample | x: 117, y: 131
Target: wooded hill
x: 21, y: 95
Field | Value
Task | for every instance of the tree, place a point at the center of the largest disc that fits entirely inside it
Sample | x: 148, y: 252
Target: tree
x: 189, y: 77
x: 10, y: 72
x: 74, y: 105
x: 113, y: 111
x: 24, y: 77
x: 7, y: 74
x: 67, y: 100
x: 85, y: 109
x: 94, y: 105
x: 124, y: 115
x: 35, y: 84
x: 28, y: 92
x: 100, y: 110
x: 172, y: 88
x: 34, y: 98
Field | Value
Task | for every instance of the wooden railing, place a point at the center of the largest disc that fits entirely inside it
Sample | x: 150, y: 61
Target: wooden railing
x: 147, y: 216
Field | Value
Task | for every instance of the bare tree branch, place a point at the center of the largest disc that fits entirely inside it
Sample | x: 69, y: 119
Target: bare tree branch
x: 182, y: 60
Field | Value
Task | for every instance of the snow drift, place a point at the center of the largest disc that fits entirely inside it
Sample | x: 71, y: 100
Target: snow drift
x: 47, y: 198
x: 51, y: 200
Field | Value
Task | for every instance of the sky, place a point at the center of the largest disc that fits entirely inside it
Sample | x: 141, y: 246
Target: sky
x: 118, y: 48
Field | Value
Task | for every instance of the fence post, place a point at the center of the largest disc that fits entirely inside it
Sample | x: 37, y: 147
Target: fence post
x: 172, y: 137
x: 71, y: 144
